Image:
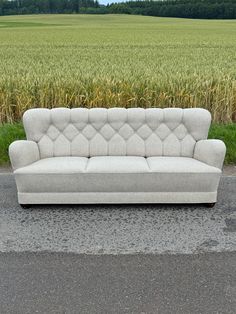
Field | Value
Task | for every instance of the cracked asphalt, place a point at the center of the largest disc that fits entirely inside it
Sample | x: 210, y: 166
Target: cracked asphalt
x: 118, y: 259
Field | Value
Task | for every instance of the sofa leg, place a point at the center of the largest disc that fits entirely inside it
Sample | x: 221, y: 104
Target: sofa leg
x: 210, y: 205
x: 25, y: 206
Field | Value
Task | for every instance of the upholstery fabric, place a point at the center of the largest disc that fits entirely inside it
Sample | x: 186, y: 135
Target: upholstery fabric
x: 179, y: 165
x: 57, y: 165
x: 23, y: 153
x: 212, y: 152
x: 117, y: 164
x: 102, y: 175
x: 117, y: 198
x: 117, y: 131
x: 117, y: 155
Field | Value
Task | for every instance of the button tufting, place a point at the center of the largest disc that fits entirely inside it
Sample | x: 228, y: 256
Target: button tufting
x: 118, y: 131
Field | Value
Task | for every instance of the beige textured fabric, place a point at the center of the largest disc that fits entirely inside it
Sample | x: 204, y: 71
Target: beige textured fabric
x: 179, y: 165
x: 23, y: 153
x: 117, y: 174
x: 116, y: 131
x: 117, y: 164
x: 118, y: 182
x: 117, y: 155
x: 57, y: 165
x: 117, y: 198
x: 212, y: 152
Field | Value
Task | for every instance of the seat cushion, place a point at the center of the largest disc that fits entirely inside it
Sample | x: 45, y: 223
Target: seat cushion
x: 117, y: 174
x: 179, y: 165
x: 56, y: 165
x: 117, y: 164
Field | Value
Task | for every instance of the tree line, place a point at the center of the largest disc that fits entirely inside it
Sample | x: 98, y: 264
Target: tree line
x: 12, y: 7
x: 202, y: 9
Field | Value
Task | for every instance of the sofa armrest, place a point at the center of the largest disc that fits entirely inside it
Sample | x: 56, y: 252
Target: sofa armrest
x: 23, y: 153
x: 212, y: 152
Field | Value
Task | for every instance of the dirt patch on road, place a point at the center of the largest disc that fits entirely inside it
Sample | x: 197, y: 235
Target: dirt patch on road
x: 229, y: 170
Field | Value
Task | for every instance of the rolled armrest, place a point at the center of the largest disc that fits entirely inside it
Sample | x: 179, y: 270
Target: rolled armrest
x: 212, y: 152
x: 23, y: 153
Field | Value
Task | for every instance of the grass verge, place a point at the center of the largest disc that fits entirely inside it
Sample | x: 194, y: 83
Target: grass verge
x: 8, y: 134
x: 225, y: 132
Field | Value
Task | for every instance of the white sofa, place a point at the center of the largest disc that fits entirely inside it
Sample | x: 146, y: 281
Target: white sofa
x: 117, y: 155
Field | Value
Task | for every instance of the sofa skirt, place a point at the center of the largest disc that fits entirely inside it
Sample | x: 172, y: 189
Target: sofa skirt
x: 118, y: 198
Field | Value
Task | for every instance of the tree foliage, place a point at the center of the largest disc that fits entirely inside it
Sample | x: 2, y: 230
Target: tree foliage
x: 45, y: 6
x: 204, y: 9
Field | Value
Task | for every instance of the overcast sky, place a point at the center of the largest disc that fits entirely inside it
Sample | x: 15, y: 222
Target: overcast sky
x: 109, y: 1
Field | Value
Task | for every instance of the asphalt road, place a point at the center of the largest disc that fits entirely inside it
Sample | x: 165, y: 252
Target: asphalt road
x: 118, y: 229
x: 69, y: 283
x: 118, y: 259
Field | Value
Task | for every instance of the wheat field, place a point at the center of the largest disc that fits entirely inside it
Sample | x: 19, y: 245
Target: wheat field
x: 116, y: 60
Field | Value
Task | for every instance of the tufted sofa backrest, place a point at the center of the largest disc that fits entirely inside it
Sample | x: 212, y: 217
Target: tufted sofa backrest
x: 116, y: 131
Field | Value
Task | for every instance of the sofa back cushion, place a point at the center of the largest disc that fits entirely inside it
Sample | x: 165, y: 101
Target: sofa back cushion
x: 116, y: 131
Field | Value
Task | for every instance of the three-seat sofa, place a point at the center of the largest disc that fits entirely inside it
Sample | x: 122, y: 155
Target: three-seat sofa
x: 117, y: 155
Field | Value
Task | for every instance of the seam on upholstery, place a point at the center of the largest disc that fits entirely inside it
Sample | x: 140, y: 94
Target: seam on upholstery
x: 194, y: 149
x: 147, y: 161
x: 181, y: 142
x: 70, y: 123
x: 53, y: 146
x: 106, y: 122
x: 181, y: 148
x: 89, y: 142
x: 126, y: 122
x: 145, y: 145
x: 86, y: 166
x: 162, y: 146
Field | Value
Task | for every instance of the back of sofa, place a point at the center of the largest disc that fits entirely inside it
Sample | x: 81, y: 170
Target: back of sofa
x: 116, y: 131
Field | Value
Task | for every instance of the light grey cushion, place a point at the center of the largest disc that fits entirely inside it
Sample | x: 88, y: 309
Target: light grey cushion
x: 56, y: 165
x: 117, y: 176
x: 212, y: 152
x: 179, y: 165
x: 116, y: 131
x: 23, y: 153
x: 117, y: 164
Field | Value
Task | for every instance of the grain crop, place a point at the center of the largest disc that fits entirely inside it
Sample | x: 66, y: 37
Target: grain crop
x: 116, y: 60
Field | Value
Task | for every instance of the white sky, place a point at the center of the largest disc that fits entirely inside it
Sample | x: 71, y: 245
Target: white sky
x: 109, y: 1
